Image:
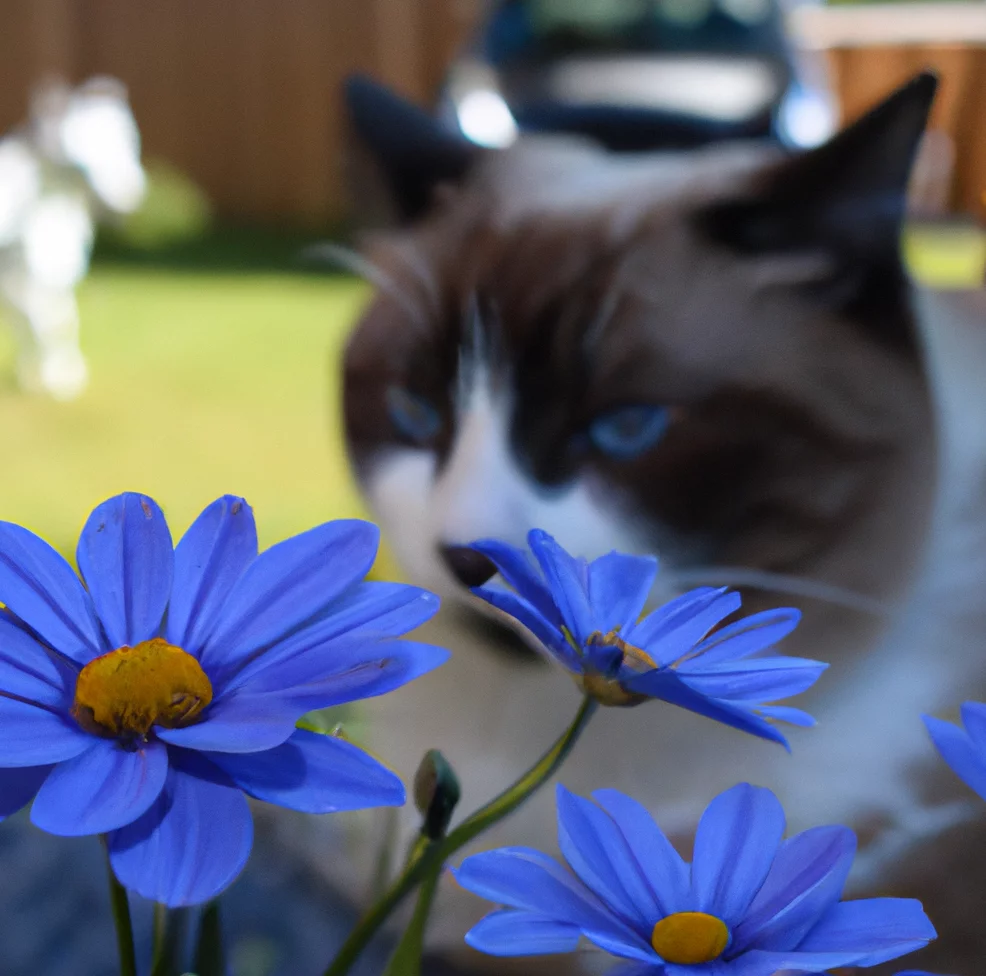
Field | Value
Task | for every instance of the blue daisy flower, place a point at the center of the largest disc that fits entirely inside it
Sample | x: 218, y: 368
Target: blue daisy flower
x: 144, y: 704
x: 964, y: 749
x: 586, y: 615
x: 749, y: 904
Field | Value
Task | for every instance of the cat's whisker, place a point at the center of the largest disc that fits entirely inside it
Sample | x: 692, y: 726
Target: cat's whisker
x: 740, y: 576
x: 339, y: 256
x: 603, y: 317
x: 422, y: 274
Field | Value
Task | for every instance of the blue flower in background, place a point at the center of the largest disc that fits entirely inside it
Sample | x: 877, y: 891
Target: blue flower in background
x: 144, y: 704
x: 586, y: 616
x: 749, y: 904
x: 963, y: 749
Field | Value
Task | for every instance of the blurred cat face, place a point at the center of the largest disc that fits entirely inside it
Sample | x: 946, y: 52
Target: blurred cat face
x: 668, y: 354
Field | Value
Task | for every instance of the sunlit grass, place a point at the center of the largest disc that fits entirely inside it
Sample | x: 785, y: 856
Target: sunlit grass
x: 201, y: 385
x: 951, y: 255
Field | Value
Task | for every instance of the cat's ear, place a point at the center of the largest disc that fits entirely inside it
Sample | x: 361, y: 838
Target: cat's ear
x: 413, y: 152
x: 844, y: 201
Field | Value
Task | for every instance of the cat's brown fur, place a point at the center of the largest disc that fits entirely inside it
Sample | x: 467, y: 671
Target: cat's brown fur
x: 826, y: 426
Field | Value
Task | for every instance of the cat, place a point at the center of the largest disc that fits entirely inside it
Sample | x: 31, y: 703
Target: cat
x: 715, y: 356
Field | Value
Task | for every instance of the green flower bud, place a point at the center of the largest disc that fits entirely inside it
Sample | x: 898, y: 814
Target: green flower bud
x: 436, y: 793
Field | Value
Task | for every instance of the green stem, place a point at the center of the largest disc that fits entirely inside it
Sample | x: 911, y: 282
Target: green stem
x: 210, y: 954
x: 368, y: 925
x: 169, y: 936
x: 512, y: 797
x: 406, y: 960
x: 120, y: 905
x: 425, y: 864
x: 385, y: 857
x: 159, y: 933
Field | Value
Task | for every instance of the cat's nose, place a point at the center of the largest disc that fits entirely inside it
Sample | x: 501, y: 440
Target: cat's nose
x: 469, y: 567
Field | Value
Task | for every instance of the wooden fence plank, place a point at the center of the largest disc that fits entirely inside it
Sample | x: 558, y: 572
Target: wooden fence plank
x: 244, y: 94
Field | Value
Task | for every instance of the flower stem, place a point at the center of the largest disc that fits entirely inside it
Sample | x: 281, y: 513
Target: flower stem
x: 385, y: 857
x: 366, y: 928
x: 120, y: 905
x: 406, y: 960
x: 426, y: 863
x: 210, y: 953
x: 512, y: 797
x: 170, y: 926
x: 159, y: 936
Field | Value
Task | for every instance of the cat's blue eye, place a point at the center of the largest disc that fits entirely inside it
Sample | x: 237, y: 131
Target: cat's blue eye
x: 628, y: 432
x: 417, y: 418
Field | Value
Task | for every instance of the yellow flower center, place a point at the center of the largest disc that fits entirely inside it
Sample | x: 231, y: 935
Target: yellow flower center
x: 690, y: 938
x: 125, y: 692
x: 607, y: 690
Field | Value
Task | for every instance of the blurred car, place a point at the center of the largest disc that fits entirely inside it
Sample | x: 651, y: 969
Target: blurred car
x: 637, y: 75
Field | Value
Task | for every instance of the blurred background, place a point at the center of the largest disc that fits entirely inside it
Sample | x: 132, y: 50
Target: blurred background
x: 212, y: 344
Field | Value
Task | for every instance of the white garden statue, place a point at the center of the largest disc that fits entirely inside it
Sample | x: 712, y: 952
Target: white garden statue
x: 76, y: 161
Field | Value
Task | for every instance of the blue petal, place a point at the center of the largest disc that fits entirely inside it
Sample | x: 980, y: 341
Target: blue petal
x: 40, y: 587
x: 519, y: 572
x: 618, y: 588
x: 959, y: 751
x: 760, y: 680
x: 747, y: 636
x: 327, y: 643
x: 607, y: 659
x: 374, y: 609
x: 568, y: 579
x: 365, y: 613
x: 599, y: 854
x: 211, y: 556
x: 759, y: 962
x: 287, y: 585
x: 737, y: 839
x: 721, y: 967
x: 784, y: 713
x: 191, y: 844
x: 104, y: 788
x: 667, y: 686
x: 974, y: 720
x: 667, y: 874
x: 513, y: 933
x: 875, y: 929
x: 805, y: 881
x: 669, y: 639
x: 31, y: 672
x: 340, y: 672
x: 238, y: 723
x: 314, y: 774
x: 125, y: 556
x: 18, y: 787
x: 527, y: 879
x: 36, y: 736
x: 525, y: 613
x: 261, y: 712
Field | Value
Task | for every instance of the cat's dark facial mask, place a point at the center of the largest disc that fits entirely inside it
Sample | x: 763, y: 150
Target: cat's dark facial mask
x: 708, y: 355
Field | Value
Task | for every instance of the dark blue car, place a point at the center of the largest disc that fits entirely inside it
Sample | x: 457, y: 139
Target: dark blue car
x: 637, y: 74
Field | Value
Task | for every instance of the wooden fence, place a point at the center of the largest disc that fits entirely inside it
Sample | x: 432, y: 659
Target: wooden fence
x: 243, y: 94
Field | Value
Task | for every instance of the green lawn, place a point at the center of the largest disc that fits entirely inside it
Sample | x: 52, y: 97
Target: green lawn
x: 201, y: 384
